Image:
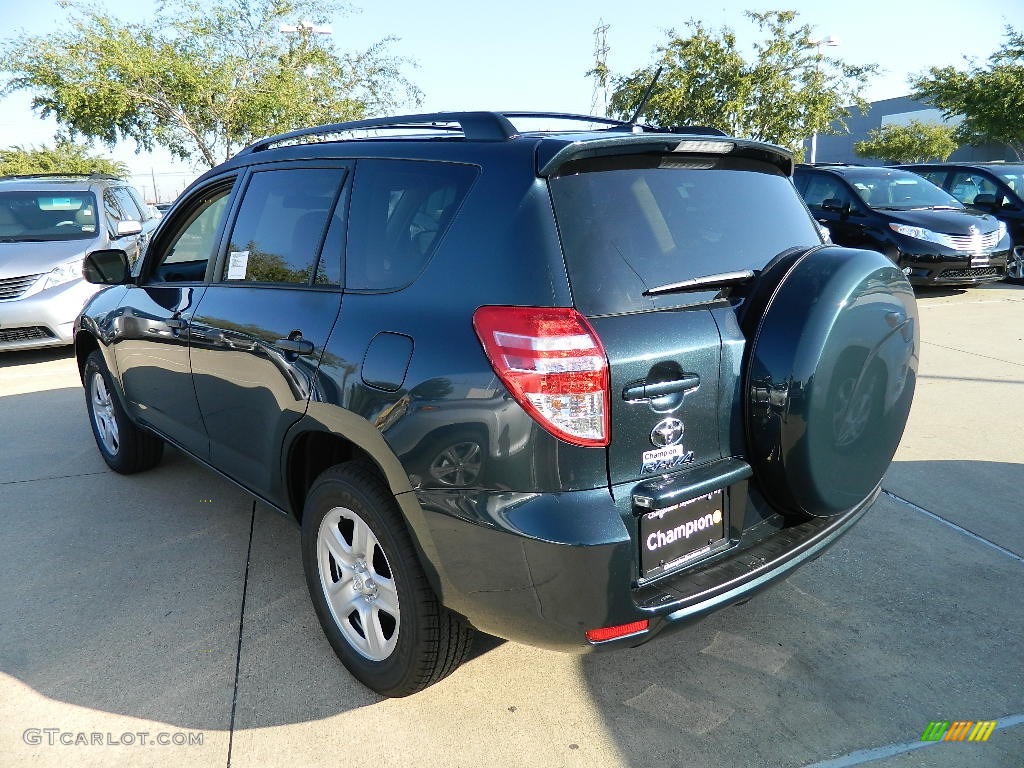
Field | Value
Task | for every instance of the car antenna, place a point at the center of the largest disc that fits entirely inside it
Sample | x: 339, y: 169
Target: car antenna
x: 646, y: 97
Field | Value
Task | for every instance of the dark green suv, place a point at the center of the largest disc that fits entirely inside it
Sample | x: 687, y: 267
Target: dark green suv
x: 571, y: 388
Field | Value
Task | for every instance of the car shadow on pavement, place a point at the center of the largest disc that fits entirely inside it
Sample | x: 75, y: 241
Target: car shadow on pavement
x: 123, y: 594
x: 937, y: 291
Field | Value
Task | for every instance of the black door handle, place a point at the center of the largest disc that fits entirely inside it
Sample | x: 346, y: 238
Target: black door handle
x: 296, y: 346
x: 642, y: 390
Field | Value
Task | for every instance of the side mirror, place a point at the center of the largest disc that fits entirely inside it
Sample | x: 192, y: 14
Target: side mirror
x: 836, y: 205
x: 128, y: 227
x: 984, y: 200
x: 106, y: 267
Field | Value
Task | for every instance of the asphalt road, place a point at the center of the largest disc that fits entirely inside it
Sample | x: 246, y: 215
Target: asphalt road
x: 169, y: 607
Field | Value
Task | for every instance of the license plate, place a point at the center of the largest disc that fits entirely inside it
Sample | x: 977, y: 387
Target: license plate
x: 675, y: 535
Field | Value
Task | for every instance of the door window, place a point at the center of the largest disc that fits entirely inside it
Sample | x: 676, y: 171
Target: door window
x: 821, y: 187
x: 282, y: 222
x: 967, y: 186
x: 193, y: 243
x: 127, y: 204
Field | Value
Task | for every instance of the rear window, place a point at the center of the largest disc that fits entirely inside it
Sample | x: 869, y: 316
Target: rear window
x: 631, y: 224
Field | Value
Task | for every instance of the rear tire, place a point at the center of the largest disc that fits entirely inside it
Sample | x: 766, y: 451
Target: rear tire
x: 369, y: 590
x: 126, y: 448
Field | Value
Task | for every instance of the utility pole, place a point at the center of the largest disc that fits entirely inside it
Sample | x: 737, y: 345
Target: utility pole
x: 831, y: 42
x: 599, y: 97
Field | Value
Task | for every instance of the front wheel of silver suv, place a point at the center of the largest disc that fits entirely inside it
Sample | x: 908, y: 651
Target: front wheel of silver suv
x: 369, y: 590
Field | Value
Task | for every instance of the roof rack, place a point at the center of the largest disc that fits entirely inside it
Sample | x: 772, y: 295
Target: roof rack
x: 475, y: 126
x: 479, y: 126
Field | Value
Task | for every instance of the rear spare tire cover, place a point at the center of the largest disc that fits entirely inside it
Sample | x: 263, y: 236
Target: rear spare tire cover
x: 830, y: 376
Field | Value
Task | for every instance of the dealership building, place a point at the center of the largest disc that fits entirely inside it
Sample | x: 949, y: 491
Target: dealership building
x: 898, y: 111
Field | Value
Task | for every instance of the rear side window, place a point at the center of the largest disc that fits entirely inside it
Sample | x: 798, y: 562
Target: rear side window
x: 630, y: 224
x: 281, y: 224
x: 400, y: 211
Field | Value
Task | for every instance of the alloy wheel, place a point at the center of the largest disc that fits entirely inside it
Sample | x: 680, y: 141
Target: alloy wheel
x: 358, y: 583
x: 103, y: 415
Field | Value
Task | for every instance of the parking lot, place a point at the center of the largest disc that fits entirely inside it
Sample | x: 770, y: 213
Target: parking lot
x: 169, y: 607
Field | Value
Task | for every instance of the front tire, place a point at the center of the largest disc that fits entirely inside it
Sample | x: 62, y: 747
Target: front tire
x: 1015, y: 266
x: 125, y: 448
x: 369, y: 590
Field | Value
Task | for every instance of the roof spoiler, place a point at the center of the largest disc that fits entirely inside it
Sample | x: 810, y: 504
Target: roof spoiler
x: 668, y: 144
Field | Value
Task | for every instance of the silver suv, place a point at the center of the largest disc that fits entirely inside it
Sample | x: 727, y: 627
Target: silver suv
x: 47, y: 225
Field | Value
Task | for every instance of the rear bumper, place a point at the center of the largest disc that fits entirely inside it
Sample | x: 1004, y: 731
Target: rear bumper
x: 542, y: 569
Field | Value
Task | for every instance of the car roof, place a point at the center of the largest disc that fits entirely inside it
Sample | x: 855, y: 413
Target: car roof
x: 990, y: 165
x: 853, y: 171
x: 45, y: 182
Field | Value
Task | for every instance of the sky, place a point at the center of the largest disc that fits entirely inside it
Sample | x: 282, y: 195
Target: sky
x: 534, y: 54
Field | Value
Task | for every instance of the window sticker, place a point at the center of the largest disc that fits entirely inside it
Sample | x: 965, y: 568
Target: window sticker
x: 238, y: 264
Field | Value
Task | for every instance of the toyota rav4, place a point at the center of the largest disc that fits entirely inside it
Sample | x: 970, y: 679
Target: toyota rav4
x: 573, y: 388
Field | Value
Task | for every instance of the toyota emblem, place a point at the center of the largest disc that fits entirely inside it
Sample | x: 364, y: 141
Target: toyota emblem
x: 667, y: 432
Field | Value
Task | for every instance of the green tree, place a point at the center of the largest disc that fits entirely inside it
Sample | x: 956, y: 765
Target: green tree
x: 65, y: 157
x: 990, y: 96
x: 913, y: 143
x: 787, y: 90
x: 201, y: 79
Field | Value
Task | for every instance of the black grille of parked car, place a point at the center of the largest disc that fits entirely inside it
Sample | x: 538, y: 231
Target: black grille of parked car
x: 13, y: 287
x: 969, y: 272
x: 33, y: 333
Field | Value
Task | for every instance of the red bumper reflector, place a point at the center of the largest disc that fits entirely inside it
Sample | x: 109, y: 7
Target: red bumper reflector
x: 610, y: 633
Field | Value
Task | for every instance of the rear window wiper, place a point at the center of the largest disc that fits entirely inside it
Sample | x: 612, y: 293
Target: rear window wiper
x: 707, y: 282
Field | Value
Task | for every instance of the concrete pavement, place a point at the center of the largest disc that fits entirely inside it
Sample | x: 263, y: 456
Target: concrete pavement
x: 122, y: 613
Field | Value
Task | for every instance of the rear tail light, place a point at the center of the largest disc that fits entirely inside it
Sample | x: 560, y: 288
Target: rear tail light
x: 554, y: 366
x: 620, y: 630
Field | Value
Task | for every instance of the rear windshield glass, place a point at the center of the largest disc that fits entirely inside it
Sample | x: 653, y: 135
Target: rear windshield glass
x: 45, y: 216
x: 631, y: 224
